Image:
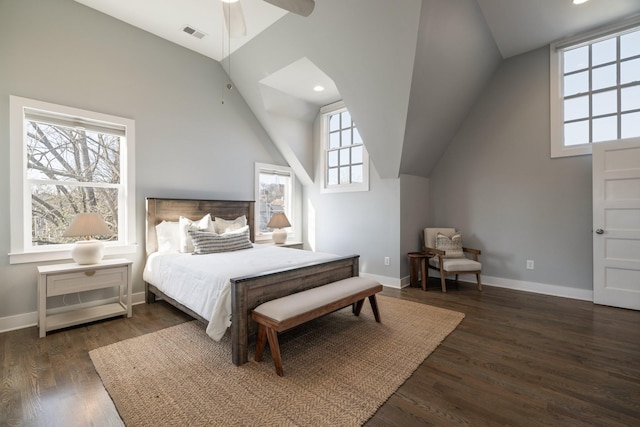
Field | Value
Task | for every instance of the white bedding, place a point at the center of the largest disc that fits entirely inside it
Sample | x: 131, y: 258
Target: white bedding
x: 202, y: 282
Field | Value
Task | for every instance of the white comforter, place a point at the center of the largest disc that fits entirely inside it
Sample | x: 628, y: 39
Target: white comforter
x: 202, y: 282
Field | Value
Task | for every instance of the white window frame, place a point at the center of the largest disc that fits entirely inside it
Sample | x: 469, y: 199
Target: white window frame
x: 22, y: 251
x: 558, y: 149
x: 326, y: 112
x: 290, y: 201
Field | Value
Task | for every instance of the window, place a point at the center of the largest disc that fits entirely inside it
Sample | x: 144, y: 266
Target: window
x: 66, y: 161
x: 345, y: 162
x: 274, y: 193
x: 595, y: 91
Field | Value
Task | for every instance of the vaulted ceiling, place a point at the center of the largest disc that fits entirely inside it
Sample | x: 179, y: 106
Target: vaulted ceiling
x: 408, y: 70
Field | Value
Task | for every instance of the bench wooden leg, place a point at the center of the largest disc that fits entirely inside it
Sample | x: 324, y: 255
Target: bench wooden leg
x: 374, y: 307
x: 358, y: 307
x: 260, y: 342
x: 272, y: 336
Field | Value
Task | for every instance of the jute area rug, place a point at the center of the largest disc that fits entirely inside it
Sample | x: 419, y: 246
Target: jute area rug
x: 338, y: 370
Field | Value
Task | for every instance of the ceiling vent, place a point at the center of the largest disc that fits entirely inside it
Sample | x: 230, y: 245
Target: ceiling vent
x: 193, y: 31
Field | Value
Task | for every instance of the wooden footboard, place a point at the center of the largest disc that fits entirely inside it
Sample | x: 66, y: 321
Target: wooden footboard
x: 250, y: 291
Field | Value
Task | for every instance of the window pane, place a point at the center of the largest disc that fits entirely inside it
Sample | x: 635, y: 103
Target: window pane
x: 605, y: 103
x: 275, y: 188
x: 356, y: 154
x: 604, y: 77
x: 576, y: 83
x: 332, y: 159
x: 356, y: 174
x: 66, y: 154
x: 54, y: 206
x: 576, y: 108
x: 334, y: 122
x: 630, y: 71
x: 576, y: 133
x: 630, y: 44
x: 344, y: 175
x: 357, y: 139
x: 630, y: 98
x: 576, y: 59
x: 630, y: 125
x: 604, y: 51
x: 344, y: 156
x: 346, y: 120
x: 334, y: 140
x: 332, y: 176
x: 346, y: 137
x: 605, y: 129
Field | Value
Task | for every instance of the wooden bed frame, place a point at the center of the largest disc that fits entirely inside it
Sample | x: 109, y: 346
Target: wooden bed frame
x: 249, y: 291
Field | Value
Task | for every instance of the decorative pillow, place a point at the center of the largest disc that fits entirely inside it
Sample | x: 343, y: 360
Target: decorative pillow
x: 204, y: 224
x: 452, y: 246
x: 209, y: 243
x: 168, y: 236
x: 225, y: 225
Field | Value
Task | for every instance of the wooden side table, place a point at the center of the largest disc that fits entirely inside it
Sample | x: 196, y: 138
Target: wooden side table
x: 416, y: 258
x: 62, y: 279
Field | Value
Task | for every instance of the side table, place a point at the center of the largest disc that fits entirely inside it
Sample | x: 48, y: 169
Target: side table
x: 416, y: 258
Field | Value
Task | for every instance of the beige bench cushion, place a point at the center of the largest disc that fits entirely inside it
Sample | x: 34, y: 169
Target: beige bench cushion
x: 302, y: 302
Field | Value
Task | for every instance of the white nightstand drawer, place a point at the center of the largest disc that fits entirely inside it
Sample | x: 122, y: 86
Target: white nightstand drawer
x: 61, y: 284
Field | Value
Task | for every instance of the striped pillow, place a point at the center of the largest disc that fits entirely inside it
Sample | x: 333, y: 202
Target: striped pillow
x: 205, y: 242
x: 452, y: 246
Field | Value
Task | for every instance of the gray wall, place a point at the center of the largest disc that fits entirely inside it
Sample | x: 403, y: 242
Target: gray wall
x: 187, y: 143
x: 414, y: 216
x: 497, y: 183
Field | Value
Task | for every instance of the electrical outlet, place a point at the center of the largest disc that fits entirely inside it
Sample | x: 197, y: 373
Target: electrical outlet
x: 386, y: 260
x: 529, y: 264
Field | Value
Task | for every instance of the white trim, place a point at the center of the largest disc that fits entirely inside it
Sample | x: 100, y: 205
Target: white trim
x: 325, y: 112
x: 537, y: 288
x: 27, y: 320
x: 293, y: 232
x: 390, y: 282
x: 20, y: 234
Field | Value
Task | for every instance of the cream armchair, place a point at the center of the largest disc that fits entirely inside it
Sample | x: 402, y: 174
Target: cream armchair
x: 446, y: 263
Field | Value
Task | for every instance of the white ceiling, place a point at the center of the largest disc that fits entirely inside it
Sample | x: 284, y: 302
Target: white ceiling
x: 517, y: 25
x: 166, y: 18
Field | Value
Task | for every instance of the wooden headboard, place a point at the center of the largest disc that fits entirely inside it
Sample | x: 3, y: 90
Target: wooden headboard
x: 159, y: 210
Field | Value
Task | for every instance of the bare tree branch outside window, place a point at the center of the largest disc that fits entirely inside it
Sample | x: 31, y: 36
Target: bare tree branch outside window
x: 70, y: 171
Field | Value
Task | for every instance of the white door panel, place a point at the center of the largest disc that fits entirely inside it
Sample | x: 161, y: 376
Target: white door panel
x: 616, y: 223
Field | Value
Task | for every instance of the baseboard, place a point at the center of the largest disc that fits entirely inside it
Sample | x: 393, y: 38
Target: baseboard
x: 27, y: 320
x: 391, y: 282
x: 537, y: 288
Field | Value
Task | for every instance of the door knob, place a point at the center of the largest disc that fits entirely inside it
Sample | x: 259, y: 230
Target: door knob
x: 599, y: 231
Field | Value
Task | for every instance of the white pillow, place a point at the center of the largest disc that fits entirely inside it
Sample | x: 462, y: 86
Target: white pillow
x: 168, y: 236
x: 204, y: 224
x: 225, y: 225
x: 452, y: 246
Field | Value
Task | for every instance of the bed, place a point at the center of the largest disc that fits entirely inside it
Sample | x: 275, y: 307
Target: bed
x: 250, y: 289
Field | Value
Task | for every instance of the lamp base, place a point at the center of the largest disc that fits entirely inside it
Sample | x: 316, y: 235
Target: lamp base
x: 279, y: 236
x: 87, y: 251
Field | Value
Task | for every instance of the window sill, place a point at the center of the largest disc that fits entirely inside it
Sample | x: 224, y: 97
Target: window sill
x: 54, y: 255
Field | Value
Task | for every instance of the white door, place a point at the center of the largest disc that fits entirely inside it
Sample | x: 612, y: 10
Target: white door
x: 616, y: 223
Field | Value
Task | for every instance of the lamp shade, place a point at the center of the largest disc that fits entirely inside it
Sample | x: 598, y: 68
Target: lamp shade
x: 279, y: 221
x: 87, y: 224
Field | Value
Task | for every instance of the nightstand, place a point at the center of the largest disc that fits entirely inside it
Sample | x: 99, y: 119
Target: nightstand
x: 292, y: 244
x: 63, y: 279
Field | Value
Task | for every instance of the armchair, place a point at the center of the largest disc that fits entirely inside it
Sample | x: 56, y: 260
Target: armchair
x: 446, y: 263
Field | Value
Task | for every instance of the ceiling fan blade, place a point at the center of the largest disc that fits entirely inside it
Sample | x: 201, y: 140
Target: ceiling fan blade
x: 234, y: 19
x: 299, y: 7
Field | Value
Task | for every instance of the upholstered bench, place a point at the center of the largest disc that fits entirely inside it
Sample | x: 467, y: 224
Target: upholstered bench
x: 292, y: 310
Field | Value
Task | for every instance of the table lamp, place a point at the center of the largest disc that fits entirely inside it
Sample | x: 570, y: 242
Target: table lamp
x: 87, y: 251
x: 279, y: 221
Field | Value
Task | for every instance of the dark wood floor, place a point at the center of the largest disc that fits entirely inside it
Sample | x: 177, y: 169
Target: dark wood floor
x: 516, y: 359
